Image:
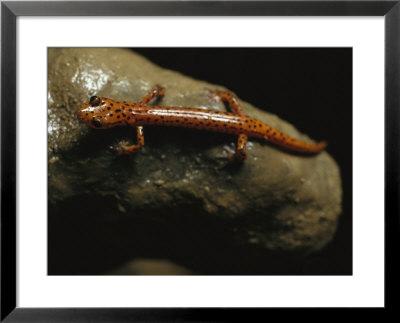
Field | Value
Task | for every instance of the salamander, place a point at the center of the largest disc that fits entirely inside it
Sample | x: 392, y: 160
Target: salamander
x: 104, y: 113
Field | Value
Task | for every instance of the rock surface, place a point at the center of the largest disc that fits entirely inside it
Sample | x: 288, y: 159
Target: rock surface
x: 177, y: 198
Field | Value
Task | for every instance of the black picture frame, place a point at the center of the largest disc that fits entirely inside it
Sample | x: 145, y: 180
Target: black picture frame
x: 10, y: 10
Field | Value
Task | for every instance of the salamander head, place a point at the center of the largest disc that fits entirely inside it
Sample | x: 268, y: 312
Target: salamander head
x: 100, y: 113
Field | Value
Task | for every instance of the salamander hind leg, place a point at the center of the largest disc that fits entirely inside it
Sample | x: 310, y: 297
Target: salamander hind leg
x: 123, y: 148
x: 241, y: 153
x: 158, y: 92
x: 234, y: 105
x: 230, y: 99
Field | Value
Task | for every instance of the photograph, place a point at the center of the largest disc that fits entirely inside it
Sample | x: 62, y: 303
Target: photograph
x: 199, y: 161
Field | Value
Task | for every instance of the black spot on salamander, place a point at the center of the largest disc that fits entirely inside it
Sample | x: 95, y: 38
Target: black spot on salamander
x: 118, y: 110
x: 110, y: 115
x: 124, y: 114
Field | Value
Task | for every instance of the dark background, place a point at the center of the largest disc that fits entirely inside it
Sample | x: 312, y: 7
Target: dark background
x: 308, y: 87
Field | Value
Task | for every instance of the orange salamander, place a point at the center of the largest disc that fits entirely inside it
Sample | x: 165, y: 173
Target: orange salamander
x: 103, y: 113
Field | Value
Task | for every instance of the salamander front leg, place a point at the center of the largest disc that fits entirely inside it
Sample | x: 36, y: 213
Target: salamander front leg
x: 158, y: 92
x: 123, y: 148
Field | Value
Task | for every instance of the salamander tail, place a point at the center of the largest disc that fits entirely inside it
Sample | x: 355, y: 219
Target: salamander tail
x: 281, y: 139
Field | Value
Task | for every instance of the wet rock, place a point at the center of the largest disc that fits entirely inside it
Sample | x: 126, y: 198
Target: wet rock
x: 178, y: 197
x: 150, y: 267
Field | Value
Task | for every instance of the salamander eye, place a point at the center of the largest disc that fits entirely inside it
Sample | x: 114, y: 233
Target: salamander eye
x: 97, y: 123
x: 94, y: 101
